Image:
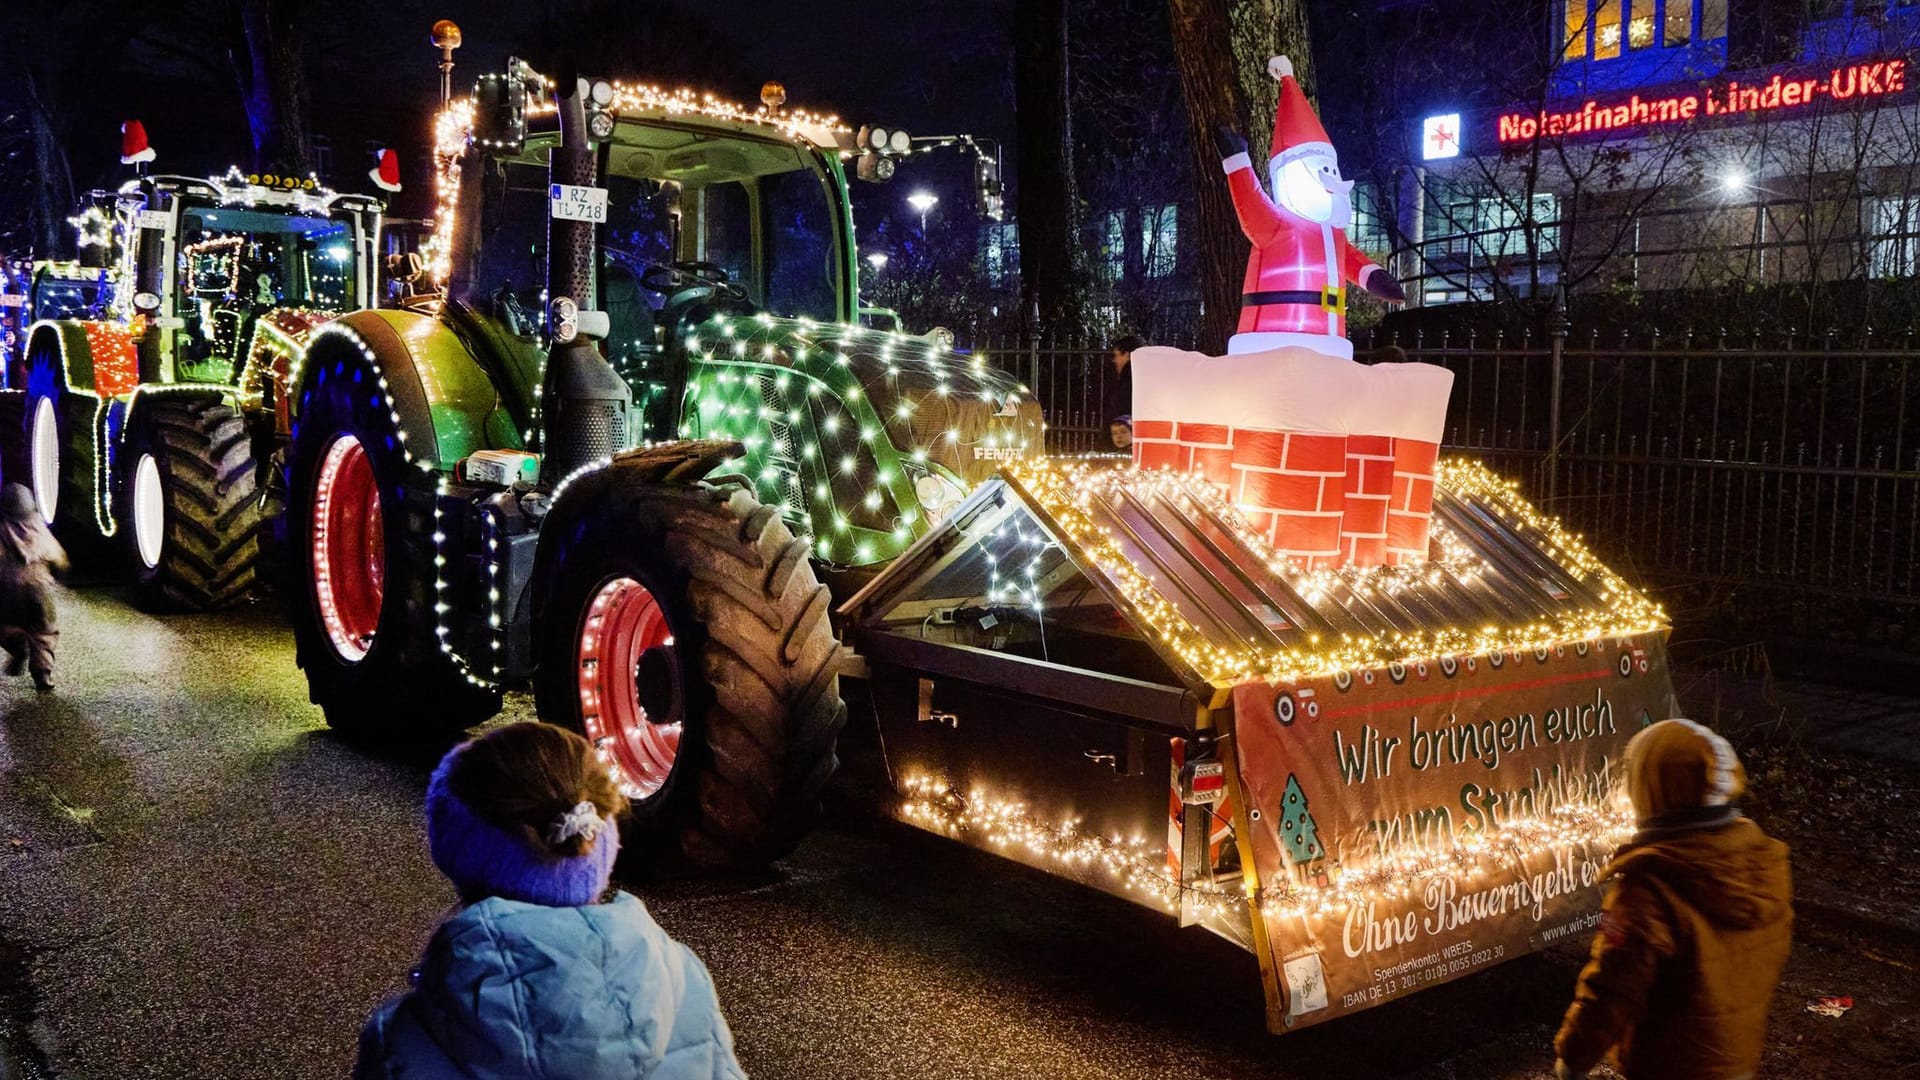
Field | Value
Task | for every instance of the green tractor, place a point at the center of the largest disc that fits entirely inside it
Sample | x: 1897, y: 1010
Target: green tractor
x: 615, y: 456
x: 157, y: 364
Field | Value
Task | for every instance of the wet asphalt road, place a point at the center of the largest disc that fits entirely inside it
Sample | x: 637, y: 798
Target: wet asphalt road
x: 198, y: 880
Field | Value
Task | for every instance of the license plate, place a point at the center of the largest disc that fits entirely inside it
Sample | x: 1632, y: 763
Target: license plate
x: 571, y: 202
x: 155, y: 219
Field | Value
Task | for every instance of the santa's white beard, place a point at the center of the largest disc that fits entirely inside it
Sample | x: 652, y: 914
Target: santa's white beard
x: 1298, y: 188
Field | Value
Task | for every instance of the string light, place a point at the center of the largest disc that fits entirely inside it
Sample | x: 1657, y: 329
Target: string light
x: 1140, y: 867
x: 1067, y: 492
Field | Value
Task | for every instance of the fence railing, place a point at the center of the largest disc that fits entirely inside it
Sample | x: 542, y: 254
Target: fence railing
x: 1788, y: 468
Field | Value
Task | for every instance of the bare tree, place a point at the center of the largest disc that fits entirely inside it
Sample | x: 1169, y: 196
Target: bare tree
x: 1222, y: 47
x: 1048, y: 203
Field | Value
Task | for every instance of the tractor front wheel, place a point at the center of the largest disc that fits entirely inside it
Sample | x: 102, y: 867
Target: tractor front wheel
x: 680, y: 628
x: 59, y: 431
x: 189, y: 507
x: 361, y: 568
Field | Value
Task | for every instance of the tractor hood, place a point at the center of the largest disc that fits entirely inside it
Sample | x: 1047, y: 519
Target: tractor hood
x: 863, y: 433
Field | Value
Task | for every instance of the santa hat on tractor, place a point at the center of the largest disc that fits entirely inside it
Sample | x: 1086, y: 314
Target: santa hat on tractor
x: 386, y: 170
x: 134, y: 148
x: 1296, y: 129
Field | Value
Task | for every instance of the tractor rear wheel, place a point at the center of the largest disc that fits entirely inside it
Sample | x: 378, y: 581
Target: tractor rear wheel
x: 189, y: 507
x: 361, y: 572
x: 680, y: 628
x: 59, y: 431
x: 13, y: 438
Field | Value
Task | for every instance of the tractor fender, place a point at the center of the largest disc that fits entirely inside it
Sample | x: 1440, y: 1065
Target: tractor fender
x: 97, y: 359
x: 444, y: 405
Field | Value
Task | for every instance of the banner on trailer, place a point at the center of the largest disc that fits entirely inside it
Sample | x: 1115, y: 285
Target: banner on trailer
x: 1347, y: 774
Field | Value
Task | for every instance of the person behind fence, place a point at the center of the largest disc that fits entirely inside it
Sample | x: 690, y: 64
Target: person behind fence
x: 542, y: 972
x: 29, y: 557
x: 1116, y: 393
x: 1695, y: 927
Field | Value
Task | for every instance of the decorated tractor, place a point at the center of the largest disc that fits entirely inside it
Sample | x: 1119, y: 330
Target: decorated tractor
x: 1290, y: 677
x: 156, y: 364
x: 614, y: 455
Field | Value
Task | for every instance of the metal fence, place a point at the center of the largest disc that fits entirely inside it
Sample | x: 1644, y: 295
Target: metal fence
x: 1788, y: 468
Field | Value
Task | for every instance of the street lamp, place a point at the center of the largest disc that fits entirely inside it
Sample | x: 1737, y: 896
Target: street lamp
x: 1733, y: 181
x: 922, y: 201
x: 877, y: 260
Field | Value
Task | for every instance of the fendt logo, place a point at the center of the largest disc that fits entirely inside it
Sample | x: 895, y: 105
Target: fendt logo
x: 997, y: 453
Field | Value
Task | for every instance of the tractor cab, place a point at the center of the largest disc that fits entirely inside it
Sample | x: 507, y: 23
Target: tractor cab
x: 724, y: 263
x: 233, y: 267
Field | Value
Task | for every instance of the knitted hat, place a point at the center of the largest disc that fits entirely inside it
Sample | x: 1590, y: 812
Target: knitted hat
x: 484, y: 858
x: 17, y: 503
x: 1678, y: 766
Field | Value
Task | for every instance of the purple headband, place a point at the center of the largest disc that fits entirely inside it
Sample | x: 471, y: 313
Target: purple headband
x: 482, y: 859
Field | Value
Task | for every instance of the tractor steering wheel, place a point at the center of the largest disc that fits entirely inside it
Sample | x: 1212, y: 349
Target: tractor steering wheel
x: 689, y: 274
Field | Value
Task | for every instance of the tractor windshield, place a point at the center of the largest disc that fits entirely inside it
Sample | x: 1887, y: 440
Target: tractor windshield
x: 757, y: 211
x: 266, y: 259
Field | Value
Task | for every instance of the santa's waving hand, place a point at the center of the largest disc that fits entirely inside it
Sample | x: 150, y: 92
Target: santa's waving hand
x: 1295, y: 292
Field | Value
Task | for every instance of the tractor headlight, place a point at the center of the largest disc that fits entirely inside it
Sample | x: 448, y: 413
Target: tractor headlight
x: 938, y: 496
x: 899, y: 142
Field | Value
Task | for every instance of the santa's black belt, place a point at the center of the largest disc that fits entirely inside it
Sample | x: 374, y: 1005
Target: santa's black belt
x: 1326, y: 299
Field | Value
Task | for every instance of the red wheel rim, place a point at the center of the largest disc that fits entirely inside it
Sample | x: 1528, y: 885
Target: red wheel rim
x: 624, y: 657
x: 348, y: 541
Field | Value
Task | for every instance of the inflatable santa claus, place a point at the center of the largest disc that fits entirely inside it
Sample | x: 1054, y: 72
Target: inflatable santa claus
x: 1302, y: 262
x: 1331, y: 460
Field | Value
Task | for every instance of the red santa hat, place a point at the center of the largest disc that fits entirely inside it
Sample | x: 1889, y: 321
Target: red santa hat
x: 386, y: 170
x: 134, y: 148
x: 1296, y: 130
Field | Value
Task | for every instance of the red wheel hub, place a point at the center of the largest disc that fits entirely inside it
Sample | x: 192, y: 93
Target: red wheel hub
x: 629, y: 685
x: 348, y: 543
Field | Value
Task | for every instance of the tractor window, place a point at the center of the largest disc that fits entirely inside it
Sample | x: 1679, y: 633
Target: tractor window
x: 511, y: 270
x: 800, y: 231
x: 724, y: 233
x: 267, y: 260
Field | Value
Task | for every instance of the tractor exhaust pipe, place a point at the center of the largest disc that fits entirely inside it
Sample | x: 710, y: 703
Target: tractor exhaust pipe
x: 583, y: 402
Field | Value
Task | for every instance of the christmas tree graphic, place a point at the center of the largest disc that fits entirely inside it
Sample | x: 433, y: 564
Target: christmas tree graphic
x: 1299, y: 836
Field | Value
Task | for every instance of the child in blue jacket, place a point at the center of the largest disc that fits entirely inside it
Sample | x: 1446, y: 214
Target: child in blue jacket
x: 536, y: 976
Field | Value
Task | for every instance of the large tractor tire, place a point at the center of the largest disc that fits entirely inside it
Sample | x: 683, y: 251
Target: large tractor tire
x: 59, y: 431
x: 189, y: 507
x: 680, y: 628
x: 360, y: 559
x: 13, y: 438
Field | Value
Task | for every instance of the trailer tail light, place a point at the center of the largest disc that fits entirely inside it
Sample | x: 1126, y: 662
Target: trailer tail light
x: 1203, y: 783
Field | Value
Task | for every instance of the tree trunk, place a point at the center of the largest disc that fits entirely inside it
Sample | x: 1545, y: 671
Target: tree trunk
x: 1221, y: 48
x: 1043, y: 142
x: 53, y: 195
x: 267, y: 64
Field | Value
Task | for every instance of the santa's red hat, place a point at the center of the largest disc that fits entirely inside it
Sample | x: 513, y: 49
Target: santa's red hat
x: 1296, y: 130
x: 386, y: 170
x: 134, y: 148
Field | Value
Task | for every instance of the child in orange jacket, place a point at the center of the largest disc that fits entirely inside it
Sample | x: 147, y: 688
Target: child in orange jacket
x: 1694, y: 930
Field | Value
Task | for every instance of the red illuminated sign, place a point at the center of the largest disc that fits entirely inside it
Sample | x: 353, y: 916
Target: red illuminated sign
x: 1874, y: 79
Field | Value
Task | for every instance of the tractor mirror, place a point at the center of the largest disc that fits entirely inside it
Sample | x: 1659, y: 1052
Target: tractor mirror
x: 500, y: 112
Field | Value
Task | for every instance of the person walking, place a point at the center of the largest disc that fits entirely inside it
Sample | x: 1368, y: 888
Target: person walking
x: 1116, y: 394
x: 542, y: 973
x: 29, y: 557
x: 1695, y: 928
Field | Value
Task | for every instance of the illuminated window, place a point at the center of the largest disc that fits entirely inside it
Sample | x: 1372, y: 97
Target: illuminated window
x: 1369, y: 231
x: 1159, y: 239
x: 1640, y: 24
x: 1606, y: 29
x: 1893, y: 236
x: 1678, y: 22
x: 1573, y: 32
x: 1002, y: 251
x: 1713, y: 19
x: 1502, y: 228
